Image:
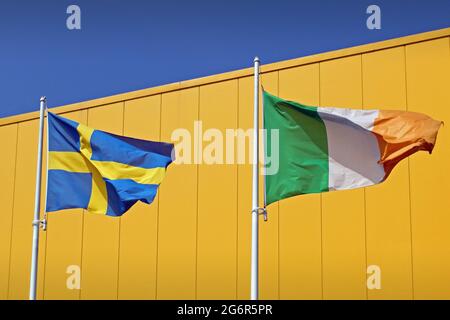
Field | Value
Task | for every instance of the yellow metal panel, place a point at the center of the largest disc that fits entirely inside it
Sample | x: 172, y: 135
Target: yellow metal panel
x: 21, y: 239
x: 296, y: 237
x: 139, y: 226
x: 101, y: 233
x: 268, y: 231
x: 244, y: 191
x: 387, y: 204
x: 384, y: 81
x: 177, y: 234
x: 64, y: 243
x: 217, y: 206
x: 340, y: 83
x: 343, y: 216
x: 23, y: 214
x: 300, y: 217
x: 7, y: 173
x: 428, y: 70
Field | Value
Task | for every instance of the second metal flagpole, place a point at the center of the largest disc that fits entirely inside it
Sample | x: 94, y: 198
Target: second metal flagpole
x: 255, y: 195
x: 37, y: 204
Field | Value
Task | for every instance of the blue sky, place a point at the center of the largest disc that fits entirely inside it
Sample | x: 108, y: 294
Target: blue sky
x: 130, y: 45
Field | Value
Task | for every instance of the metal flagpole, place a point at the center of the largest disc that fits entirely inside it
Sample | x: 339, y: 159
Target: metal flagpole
x: 37, y: 204
x: 255, y: 195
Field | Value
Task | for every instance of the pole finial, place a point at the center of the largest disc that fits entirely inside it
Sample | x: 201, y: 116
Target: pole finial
x: 43, y: 99
x: 256, y: 59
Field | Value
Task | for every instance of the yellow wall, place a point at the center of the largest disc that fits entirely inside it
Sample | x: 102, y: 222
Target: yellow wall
x: 193, y: 242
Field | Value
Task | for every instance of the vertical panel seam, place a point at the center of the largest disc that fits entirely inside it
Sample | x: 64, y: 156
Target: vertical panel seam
x: 45, y: 260
x: 320, y: 205
x: 365, y: 244
x: 321, y: 246
x: 157, y: 215
x: 366, y: 289
x: 237, y: 198
x: 409, y: 182
x: 12, y: 211
x: 44, y: 267
x: 81, y: 254
x: 120, y: 218
x: 82, y: 230
x: 197, y: 209
x: 278, y: 205
x: 279, y: 255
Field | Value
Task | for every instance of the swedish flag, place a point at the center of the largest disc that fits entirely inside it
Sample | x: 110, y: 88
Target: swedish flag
x: 99, y: 171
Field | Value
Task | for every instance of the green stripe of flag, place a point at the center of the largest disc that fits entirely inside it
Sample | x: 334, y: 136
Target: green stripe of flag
x: 303, y: 149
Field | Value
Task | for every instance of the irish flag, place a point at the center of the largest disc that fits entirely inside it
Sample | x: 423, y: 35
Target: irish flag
x: 323, y: 149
